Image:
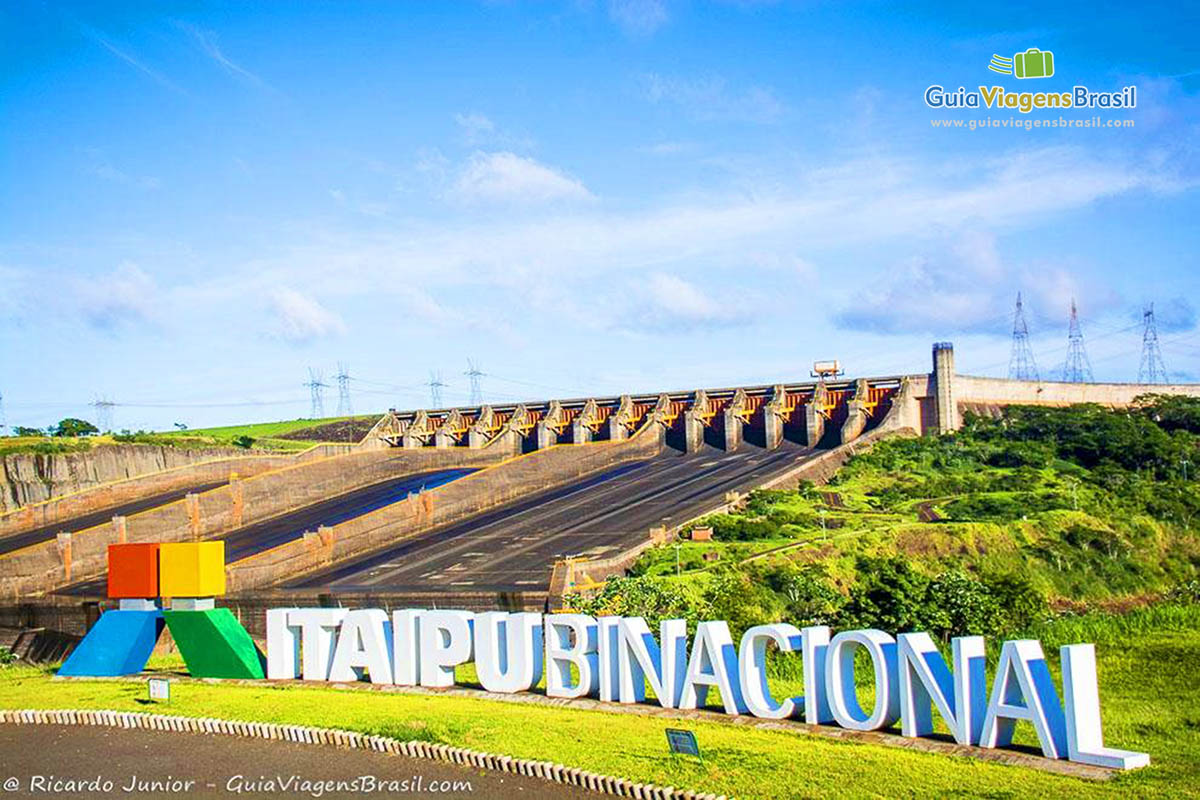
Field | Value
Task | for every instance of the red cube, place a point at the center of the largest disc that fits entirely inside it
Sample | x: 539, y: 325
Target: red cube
x: 133, y: 570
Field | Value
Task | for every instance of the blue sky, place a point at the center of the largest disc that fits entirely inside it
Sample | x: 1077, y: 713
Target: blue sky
x: 199, y: 202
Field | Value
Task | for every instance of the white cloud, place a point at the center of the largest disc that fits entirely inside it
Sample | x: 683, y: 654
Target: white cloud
x: 712, y: 98
x: 131, y: 60
x: 638, y: 17
x: 596, y: 260
x: 683, y: 300
x: 125, y: 296
x: 475, y: 127
x: 106, y: 171
x: 301, y: 319
x: 508, y: 177
x: 207, y: 42
x: 961, y: 284
x: 669, y: 148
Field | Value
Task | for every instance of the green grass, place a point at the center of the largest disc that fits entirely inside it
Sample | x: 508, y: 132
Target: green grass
x: 257, y: 430
x: 42, y: 445
x: 1148, y: 675
x: 265, y: 435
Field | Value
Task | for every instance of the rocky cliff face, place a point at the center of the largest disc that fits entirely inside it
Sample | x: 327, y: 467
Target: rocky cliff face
x: 31, y: 477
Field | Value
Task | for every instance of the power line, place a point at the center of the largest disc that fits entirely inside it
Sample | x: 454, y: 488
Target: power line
x: 474, y: 374
x: 316, y: 388
x: 435, y: 389
x: 1077, y: 368
x: 1021, y: 365
x: 345, y: 409
x: 1151, y: 369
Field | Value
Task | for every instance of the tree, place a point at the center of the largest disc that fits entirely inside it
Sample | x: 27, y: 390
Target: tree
x: 74, y: 427
x: 20, y: 430
x: 962, y: 605
x: 243, y: 441
x: 889, y: 594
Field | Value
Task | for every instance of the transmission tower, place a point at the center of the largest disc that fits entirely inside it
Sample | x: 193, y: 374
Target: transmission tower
x: 316, y: 387
x: 435, y: 389
x: 474, y: 374
x: 1021, y: 365
x: 104, y: 408
x: 1077, y: 368
x: 345, y: 409
x: 1152, y: 369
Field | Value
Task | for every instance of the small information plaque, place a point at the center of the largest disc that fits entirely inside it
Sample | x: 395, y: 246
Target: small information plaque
x: 160, y: 689
x: 683, y: 742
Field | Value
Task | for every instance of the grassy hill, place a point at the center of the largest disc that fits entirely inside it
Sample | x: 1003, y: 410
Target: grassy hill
x: 996, y: 528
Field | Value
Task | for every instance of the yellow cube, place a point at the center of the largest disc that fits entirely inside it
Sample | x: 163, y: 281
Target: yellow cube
x: 191, y: 569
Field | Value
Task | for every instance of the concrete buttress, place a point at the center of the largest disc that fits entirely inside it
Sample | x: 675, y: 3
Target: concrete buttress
x: 814, y: 415
x: 618, y: 423
x: 735, y: 416
x: 549, y: 426
x: 418, y: 432
x: 450, y: 430
x: 857, y: 414
x: 581, y: 427
x: 774, y: 415
x: 695, y: 418
x: 481, y: 432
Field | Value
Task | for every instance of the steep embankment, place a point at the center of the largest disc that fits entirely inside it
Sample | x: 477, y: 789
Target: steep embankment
x: 27, y: 478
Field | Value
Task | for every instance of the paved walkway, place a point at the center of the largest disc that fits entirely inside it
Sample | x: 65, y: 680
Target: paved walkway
x: 57, y: 760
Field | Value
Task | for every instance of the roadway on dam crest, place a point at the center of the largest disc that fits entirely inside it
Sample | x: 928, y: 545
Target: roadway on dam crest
x: 47, y: 532
x: 514, y: 547
x: 251, y: 539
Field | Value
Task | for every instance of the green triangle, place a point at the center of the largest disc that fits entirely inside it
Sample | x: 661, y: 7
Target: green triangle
x: 214, y: 644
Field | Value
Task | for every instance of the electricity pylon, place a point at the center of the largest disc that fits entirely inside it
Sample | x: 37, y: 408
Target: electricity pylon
x: 435, y: 389
x: 345, y: 409
x: 474, y: 374
x: 1152, y: 369
x: 1077, y: 368
x: 1021, y: 365
x: 316, y: 387
x: 104, y: 408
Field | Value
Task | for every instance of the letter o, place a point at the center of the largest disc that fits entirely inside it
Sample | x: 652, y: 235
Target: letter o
x: 839, y: 680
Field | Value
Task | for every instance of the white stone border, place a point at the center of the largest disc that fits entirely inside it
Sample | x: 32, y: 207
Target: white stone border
x: 303, y: 734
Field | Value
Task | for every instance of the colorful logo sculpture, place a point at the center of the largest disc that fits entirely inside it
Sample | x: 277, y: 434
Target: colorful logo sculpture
x: 189, y: 574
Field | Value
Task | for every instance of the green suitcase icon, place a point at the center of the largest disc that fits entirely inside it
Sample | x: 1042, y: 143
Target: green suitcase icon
x: 1034, y: 63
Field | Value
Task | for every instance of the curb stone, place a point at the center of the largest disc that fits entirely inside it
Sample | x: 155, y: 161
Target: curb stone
x: 545, y: 770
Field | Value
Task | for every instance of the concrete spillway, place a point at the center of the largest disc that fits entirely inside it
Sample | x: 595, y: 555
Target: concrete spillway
x: 45, y: 533
x: 514, y: 547
x: 251, y: 539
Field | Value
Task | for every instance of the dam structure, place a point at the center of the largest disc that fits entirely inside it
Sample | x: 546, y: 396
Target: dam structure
x: 490, y: 507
